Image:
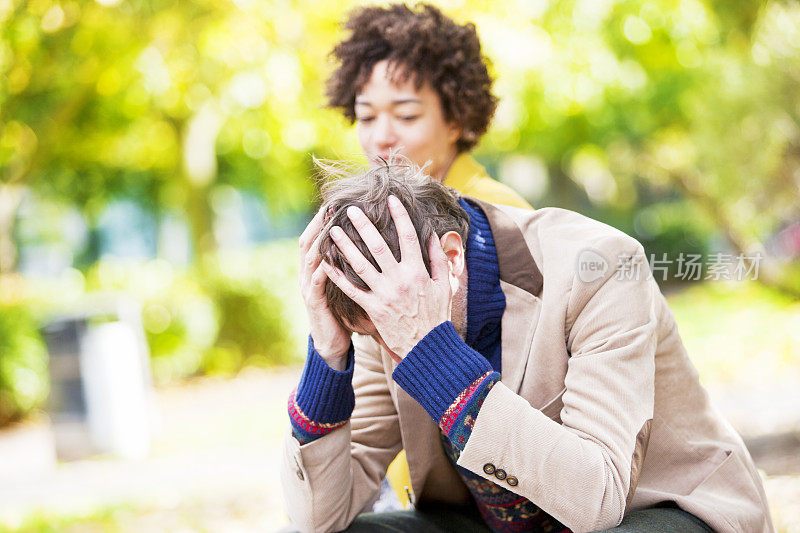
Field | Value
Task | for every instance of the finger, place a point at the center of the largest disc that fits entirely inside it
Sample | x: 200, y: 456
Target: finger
x: 439, y: 264
x: 406, y: 233
x: 351, y: 291
x: 372, y: 238
x: 309, y: 235
x: 360, y: 265
x: 311, y: 261
x: 316, y: 291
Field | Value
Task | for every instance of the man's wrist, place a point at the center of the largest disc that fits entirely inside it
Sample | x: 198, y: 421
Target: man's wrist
x: 324, y: 393
x: 439, y: 368
x: 334, y: 354
x: 336, y: 359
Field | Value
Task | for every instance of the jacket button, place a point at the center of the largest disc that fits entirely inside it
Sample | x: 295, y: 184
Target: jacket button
x: 512, y: 481
x: 500, y: 474
x: 489, y: 468
x: 300, y: 475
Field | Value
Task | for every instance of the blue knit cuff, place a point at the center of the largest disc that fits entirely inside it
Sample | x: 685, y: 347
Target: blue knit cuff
x: 326, y: 395
x: 439, y: 368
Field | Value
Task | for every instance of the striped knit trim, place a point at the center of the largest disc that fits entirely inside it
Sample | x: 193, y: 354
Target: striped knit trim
x: 302, y: 437
x: 463, y: 424
x: 512, y: 503
x: 301, y: 421
x: 452, y: 412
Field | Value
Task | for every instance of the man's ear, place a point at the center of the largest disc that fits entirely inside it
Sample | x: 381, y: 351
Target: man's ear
x: 453, y: 247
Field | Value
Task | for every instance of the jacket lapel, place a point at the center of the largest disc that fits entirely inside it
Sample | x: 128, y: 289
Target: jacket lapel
x: 514, y: 258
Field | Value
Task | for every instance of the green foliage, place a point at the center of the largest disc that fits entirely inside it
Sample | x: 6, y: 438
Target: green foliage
x: 677, y: 122
x: 107, y: 519
x: 237, y: 309
x: 654, y: 99
x: 624, y: 104
x: 254, y: 325
x: 181, y: 325
x: 178, y: 317
x: 160, y: 101
x: 23, y: 363
x: 669, y: 229
x: 231, y: 311
x: 739, y: 333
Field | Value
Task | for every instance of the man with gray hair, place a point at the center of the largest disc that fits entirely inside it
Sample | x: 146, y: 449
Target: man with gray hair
x: 534, y: 383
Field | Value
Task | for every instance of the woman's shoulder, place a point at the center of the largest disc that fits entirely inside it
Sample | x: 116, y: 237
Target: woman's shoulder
x: 489, y: 190
x: 470, y: 178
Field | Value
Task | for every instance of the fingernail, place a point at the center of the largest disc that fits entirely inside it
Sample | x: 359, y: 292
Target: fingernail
x: 336, y: 232
x: 353, y: 211
x: 393, y: 200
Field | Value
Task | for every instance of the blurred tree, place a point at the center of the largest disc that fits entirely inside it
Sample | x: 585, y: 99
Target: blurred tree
x: 66, y: 120
x: 618, y: 104
x: 159, y: 101
x: 632, y: 102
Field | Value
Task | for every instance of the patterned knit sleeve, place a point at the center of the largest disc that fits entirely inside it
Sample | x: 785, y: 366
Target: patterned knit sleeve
x: 459, y: 419
x: 324, y: 399
x: 448, y: 379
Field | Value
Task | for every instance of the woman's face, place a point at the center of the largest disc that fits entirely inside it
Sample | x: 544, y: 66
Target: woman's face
x: 398, y: 116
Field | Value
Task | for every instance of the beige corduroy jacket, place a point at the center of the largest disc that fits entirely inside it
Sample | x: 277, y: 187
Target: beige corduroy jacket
x: 599, y: 412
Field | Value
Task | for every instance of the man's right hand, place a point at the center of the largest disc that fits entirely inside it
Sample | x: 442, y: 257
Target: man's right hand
x: 331, y: 340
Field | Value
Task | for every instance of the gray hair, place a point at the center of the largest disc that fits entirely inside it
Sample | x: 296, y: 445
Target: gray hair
x: 432, y: 207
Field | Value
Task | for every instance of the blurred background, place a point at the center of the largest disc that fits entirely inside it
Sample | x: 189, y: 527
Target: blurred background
x: 155, y: 172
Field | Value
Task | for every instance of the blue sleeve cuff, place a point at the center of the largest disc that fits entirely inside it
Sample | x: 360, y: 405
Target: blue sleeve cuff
x: 326, y: 395
x: 439, y: 368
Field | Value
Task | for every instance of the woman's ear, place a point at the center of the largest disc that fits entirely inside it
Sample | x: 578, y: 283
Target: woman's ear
x: 454, y: 132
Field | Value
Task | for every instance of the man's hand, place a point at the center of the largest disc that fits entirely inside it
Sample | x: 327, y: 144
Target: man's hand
x: 330, y: 340
x: 405, y: 303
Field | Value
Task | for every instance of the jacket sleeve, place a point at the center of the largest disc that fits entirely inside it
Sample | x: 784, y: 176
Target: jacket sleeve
x: 328, y: 481
x: 582, y: 471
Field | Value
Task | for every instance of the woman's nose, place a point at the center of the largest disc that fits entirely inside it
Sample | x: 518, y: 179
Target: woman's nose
x: 384, y: 134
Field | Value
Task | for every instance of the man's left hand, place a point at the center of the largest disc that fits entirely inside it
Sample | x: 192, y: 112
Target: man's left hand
x: 404, y: 302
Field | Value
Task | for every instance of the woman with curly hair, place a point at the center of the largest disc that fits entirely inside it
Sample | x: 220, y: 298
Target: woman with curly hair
x: 414, y: 81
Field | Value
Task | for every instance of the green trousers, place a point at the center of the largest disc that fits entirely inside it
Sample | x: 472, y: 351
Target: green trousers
x: 443, y: 519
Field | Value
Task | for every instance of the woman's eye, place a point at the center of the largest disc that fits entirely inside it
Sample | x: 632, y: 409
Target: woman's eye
x: 365, y: 120
x: 409, y: 118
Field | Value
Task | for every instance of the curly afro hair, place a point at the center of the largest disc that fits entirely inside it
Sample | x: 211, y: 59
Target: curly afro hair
x: 430, y: 47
